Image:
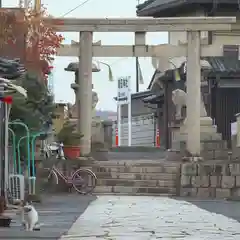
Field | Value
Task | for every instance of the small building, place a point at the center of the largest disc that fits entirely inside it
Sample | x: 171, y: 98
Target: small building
x: 220, y: 85
x: 144, y: 121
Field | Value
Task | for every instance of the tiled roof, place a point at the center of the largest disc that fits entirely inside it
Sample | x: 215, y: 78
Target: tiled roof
x: 153, y: 7
x: 157, y: 5
x: 154, y: 98
x: 145, y: 4
x: 224, y: 64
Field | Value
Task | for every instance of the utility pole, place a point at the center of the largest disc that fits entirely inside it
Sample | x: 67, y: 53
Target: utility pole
x: 137, y: 74
x: 2, y: 177
x: 137, y: 66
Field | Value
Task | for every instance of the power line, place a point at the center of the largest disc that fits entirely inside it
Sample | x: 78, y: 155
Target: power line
x: 78, y: 6
x: 117, y: 61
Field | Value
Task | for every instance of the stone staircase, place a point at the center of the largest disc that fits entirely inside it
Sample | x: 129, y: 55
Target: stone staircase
x: 137, y: 177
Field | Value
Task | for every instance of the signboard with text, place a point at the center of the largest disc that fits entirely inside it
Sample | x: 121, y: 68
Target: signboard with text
x: 124, y: 90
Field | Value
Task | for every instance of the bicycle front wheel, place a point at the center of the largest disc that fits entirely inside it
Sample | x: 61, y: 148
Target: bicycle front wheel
x: 84, y: 181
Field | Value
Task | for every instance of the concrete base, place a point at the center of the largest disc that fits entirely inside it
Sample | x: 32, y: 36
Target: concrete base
x: 208, y: 132
x: 207, y: 129
x: 210, y: 150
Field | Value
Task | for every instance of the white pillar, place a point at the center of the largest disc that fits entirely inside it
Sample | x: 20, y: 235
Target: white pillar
x: 130, y: 120
x: 119, y: 125
x: 193, y: 93
x: 85, y: 91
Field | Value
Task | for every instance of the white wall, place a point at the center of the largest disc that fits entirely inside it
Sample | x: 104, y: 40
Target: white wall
x: 177, y: 38
x: 219, y: 38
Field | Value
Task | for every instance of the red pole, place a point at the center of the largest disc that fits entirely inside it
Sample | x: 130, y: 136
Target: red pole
x: 157, y: 138
x: 116, y: 138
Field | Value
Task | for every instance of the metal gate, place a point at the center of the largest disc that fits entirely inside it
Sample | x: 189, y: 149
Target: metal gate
x: 143, y: 131
x: 225, y: 104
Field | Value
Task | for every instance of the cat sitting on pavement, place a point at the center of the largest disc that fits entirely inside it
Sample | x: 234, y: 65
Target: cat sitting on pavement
x: 29, y: 217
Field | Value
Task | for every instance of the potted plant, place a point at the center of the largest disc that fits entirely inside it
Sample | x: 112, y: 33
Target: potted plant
x: 70, y: 139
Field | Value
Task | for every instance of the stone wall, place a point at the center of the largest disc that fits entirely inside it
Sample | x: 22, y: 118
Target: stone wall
x: 210, y: 180
x: 210, y: 149
x: 102, y: 132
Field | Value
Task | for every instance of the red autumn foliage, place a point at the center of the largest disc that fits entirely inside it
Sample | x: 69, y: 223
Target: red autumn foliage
x: 8, y: 20
x: 42, y: 41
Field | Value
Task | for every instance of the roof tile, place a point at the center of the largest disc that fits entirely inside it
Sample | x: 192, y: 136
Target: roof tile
x: 224, y: 64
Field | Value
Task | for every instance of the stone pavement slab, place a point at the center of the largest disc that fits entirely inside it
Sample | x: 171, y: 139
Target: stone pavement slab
x: 143, y: 218
x: 230, y: 209
x: 56, y: 215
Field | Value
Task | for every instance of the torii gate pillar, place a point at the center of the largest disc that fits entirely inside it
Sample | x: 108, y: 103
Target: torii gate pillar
x: 193, y: 100
x: 193, y: 92
x: 85, y: 92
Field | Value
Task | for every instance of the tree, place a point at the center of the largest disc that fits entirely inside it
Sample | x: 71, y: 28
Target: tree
x: 35, y: 111
x: 41, y: 38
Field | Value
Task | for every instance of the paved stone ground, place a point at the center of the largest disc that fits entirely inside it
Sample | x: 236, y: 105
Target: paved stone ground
x: 137, y: 155
x: 130, y: 218
x: 57, y: 214
x: 143, y: 218
x: 230, y: 209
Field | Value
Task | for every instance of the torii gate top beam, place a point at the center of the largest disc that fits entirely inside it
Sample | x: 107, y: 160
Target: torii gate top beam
x: 141, y: 24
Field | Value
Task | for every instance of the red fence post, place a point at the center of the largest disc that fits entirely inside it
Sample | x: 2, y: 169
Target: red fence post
x: 157, y: 138
x: 116, y: 138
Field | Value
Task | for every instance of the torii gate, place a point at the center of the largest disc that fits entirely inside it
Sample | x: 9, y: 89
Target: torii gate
x: 193, y: 50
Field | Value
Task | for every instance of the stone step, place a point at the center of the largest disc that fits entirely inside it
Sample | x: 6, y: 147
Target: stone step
x: 134, y: 190
x: 136, y: 183
x: 136, y: 149
x: 136, y: 176
x: 139, y: 163
x: 136, y: 169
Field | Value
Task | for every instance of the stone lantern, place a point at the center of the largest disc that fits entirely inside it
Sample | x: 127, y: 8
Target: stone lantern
x: 73, y: 67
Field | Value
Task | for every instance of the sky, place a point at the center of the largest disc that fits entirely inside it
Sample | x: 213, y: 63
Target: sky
x: 120, y: 66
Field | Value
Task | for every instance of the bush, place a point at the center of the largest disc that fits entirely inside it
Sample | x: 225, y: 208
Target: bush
x: 68, y: 135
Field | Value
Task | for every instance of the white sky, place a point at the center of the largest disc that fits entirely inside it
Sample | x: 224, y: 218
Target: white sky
x: 121, y: 67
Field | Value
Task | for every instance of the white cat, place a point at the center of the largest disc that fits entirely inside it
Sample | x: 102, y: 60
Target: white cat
x: 31, y: 217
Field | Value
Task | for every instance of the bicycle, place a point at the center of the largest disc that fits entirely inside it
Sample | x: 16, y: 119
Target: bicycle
x: 76, y: 179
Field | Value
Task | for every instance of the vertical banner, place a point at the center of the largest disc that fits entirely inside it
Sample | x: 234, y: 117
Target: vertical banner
x: 124, y: 98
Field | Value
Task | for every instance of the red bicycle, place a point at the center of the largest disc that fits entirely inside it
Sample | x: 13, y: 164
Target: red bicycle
x: 82, y: 180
